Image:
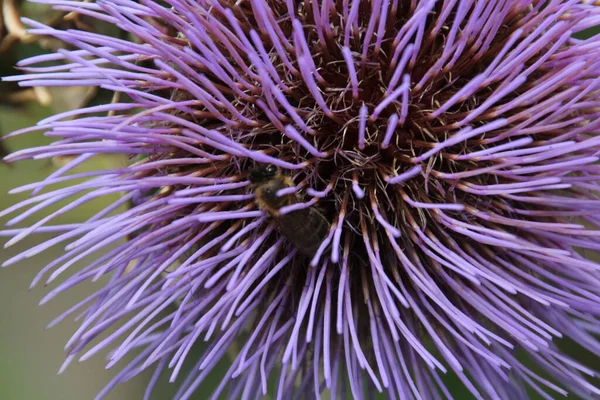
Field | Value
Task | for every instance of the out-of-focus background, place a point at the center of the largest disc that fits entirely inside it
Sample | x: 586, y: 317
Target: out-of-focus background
x: 30, y: 356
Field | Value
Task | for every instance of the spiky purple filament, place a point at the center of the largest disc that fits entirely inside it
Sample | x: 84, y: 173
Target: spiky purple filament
x: 452, y: 145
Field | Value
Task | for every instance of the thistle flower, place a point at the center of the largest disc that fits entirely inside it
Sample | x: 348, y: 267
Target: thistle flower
x: 451, y: 145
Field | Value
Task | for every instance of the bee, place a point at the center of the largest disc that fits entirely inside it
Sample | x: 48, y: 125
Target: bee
x: 305, y: 228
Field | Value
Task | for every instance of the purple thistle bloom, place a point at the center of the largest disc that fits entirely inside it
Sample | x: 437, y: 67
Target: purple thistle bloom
x: 452, y: 146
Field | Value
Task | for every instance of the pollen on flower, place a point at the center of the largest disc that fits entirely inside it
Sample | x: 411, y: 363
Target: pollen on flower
x: 451, y: 148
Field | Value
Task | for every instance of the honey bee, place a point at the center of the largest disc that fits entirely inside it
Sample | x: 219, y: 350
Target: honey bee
x: 305, y: 228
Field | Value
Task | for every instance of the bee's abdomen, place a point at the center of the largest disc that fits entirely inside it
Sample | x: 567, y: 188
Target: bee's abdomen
x: 305, y: 228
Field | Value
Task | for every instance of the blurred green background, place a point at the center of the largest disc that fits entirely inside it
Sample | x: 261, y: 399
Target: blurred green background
x: 30, y: 355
